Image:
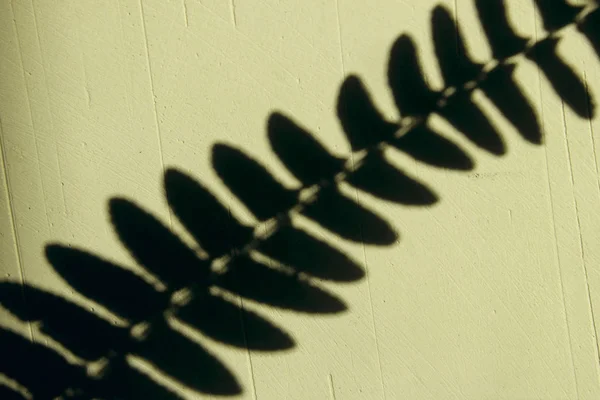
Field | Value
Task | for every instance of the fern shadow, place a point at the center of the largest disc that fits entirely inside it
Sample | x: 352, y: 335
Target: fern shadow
x: 284, y: 267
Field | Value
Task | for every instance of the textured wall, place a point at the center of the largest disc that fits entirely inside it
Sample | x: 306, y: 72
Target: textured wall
x: 488, y: 294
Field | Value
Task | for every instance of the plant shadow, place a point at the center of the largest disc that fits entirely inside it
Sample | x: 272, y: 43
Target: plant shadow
x: 286, y: 267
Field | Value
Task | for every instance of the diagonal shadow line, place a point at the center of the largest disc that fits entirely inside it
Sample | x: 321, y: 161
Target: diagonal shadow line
x: 418, y: 101
x: 186, y: 294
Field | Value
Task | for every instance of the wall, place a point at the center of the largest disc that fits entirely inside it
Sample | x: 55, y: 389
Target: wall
x: 488, y: 294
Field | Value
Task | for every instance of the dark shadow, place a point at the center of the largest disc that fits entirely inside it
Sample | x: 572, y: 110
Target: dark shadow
x: 312, y: 164
x: 365, y: 127
x: 209, y: 222
x: 503, y: 40
x: 156, y: 248
x: 362, y: 123
x: 7, y: 393
x: 416, y: 99
x: 19, y: 355
x: 590, y: 27
x: 83, y: 333
x: 458, y: 69
x: 130, y: 297
x: 562, y: 78
x: 305, y: 253
x: 219, y: 233
x: 124, y: 382
x: 225, y: 322
x: 256, y: 281
x: 455, y: 63
x: 381, y: 179
x: 504, y: 92
x: 557, y: 14
x: 186, y: 361
x: 205, y: 288
x: 505, y: 43
x: 266, y: 198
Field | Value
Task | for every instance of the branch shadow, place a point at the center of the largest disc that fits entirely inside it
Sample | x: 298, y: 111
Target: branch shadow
x: 195, y: 290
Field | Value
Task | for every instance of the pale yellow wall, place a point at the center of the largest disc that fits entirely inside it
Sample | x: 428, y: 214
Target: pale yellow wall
x: 488, y: 294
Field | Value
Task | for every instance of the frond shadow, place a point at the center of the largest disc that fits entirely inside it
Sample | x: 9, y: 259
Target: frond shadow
x: 196, y: 291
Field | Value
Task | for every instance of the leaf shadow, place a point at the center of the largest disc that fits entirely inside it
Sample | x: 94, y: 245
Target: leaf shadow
x: 285, y: 267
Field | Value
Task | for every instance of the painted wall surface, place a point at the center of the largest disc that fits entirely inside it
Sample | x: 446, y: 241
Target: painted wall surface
x: 488, y: 294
